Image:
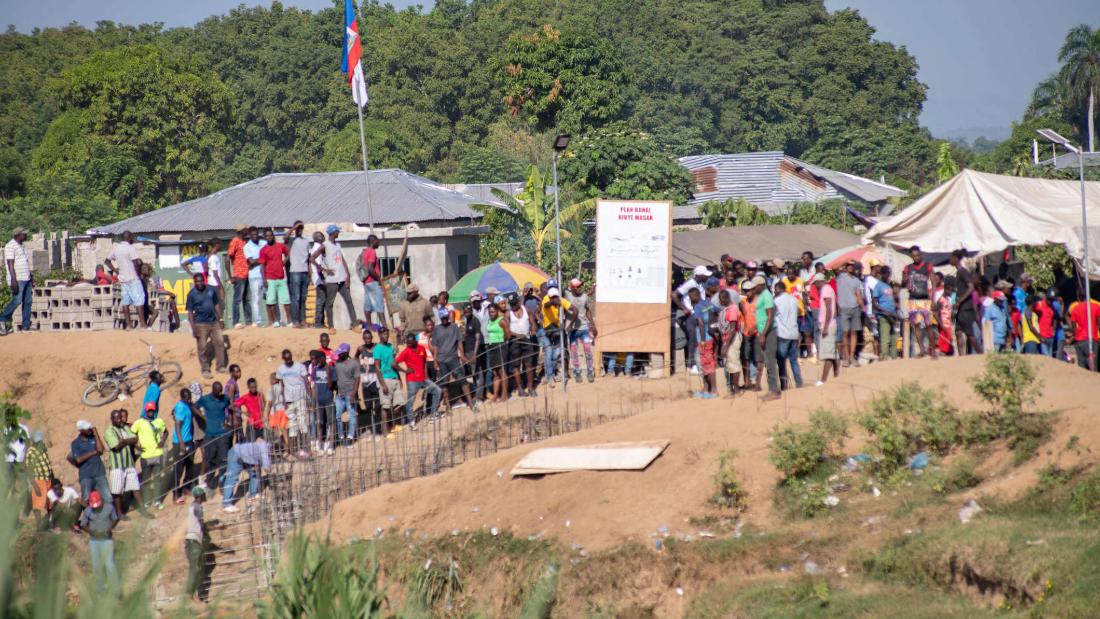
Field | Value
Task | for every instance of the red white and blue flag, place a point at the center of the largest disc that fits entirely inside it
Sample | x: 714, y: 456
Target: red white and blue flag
x: 351, y: 63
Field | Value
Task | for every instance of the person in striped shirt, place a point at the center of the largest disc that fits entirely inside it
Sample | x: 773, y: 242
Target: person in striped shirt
x: 122, y: 475
x: 17, y: 264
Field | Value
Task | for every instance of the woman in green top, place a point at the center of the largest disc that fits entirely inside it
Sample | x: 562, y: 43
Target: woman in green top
x: 494, y: 349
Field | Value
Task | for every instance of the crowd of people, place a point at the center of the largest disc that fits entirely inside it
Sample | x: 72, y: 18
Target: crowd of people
x: 753, y: 318
x: 748, y: 318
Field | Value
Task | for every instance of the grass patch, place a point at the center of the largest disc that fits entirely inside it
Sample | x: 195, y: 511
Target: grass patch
x: 820, y: 597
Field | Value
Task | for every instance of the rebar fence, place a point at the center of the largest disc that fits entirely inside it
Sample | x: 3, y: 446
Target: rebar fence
x: 337, y: 458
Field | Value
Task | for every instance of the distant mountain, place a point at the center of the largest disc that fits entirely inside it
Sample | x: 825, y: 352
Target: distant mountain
x: 995, y: 134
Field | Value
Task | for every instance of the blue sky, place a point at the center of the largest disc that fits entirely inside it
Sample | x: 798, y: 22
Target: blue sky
x: 980, y: 58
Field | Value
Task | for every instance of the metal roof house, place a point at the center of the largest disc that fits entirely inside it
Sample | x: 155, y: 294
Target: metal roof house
x: 775, y: 182
x: 443, y: 229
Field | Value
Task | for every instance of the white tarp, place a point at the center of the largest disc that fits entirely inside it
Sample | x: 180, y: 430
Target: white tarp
x: 633, y: 456
x: 987, y: 213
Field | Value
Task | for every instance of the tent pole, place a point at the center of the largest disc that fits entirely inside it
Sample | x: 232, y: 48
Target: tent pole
x: 1085, y: 236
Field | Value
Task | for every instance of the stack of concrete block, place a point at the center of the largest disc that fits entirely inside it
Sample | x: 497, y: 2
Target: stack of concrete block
x: 83, y: 307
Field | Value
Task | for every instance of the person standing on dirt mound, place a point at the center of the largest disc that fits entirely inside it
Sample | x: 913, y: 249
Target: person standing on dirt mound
x: 86, y: 454
x: 18, y: 266
x: 124, y: 261
x: 122, y: 474
x: 203, y: 312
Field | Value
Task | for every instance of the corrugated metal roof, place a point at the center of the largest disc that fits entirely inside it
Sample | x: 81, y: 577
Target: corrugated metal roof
x: 279, y: 199
x: 865, y: 188
x: 760, y: 179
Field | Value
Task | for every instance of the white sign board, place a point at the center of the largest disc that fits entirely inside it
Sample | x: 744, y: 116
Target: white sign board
x: 632, y: 251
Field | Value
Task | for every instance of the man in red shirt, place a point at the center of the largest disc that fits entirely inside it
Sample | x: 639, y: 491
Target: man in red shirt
x: 1048, y: 321
x: 413, y: 362
x: 1082, y: 342
x: 239, y: 277
x: 273, y: 257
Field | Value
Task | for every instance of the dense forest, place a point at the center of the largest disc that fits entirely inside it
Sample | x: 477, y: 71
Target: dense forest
x: 106, y: 123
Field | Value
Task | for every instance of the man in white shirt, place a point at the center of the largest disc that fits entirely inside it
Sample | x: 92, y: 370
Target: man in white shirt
x: 680, y: 297
x: 786, y: 327
x: 335, y: 270
x: 124, y: 262
x: 18, y: 266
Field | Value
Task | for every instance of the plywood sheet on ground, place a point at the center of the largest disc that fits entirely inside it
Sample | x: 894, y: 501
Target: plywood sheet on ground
x: 631, y: 456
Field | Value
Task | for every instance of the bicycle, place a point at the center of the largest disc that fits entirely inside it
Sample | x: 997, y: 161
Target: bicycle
x: 107, y: 386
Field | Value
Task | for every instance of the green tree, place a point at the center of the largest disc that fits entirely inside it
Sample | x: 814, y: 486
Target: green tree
x: 488, y: 165
x: 139, y: 126
x: 946, y: 168
x: 573, y: 80
x: 533, y: 210
x: 618, y: 161
x: 1080, y: 72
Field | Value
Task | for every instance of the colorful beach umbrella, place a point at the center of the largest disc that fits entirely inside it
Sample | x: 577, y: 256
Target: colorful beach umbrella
x: 504, y: 276
x: 860, y: 253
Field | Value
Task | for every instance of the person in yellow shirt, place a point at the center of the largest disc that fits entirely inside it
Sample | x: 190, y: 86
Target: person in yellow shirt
x: 151, y: 434
x: 552, y: 308
x: 797, y: 288
x: 1029, y: 328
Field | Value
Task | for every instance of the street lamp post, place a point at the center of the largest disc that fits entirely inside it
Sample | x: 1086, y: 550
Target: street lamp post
x: 560, y: 144
x: 1056, y: 138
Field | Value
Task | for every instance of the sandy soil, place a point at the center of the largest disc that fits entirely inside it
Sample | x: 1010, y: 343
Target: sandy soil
x: 46, y: 373
x: 603, y: 509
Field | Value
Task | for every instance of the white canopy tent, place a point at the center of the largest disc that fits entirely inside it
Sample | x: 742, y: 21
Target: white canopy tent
x: 987, y: 213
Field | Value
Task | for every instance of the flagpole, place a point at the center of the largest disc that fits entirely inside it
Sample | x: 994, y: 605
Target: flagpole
x: 366, y: 169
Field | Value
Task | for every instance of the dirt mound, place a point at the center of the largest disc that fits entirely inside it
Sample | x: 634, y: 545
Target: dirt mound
x: 603, y: 510
x: 45, y: 372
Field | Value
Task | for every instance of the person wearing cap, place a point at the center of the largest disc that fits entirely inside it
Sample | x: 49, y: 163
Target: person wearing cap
x: 98, y: 520
x: 752, y: 358
x: 553, y: 306
x: 412, y: 312
x: 298, y: 275
x: 346, y: 373
x: 329, y: 259
x: 850, y: 301
x: 194, y: 545
x: 582, y: 330
x: 122, y: 474
x: 997, y: 314
x: 917, y: 278
x: 86, y: 455
x: 680, y: 298
x: 254, y: 457
x: 18, y: 266
x: 767, y: 335
x: 479, y: 313
x: 449, y: 356
x: 151, y: 433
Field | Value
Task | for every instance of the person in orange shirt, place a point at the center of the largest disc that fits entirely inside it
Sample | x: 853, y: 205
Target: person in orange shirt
x: 239, y: 276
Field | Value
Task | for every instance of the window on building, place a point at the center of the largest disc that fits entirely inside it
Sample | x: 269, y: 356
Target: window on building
x: 463, y: 265
x: 389, y: 266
